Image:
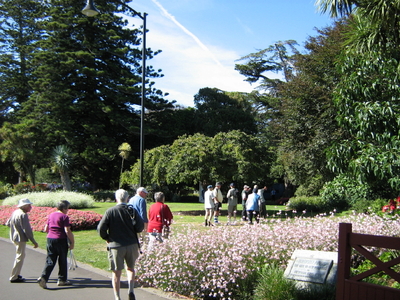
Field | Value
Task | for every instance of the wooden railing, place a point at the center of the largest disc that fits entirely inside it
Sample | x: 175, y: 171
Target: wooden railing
x: 351, y: 288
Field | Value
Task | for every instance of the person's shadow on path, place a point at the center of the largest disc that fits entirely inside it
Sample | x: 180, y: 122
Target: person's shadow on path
x: 77, y: 283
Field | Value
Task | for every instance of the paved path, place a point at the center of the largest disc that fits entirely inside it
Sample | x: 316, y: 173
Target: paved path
x: 88, y: 283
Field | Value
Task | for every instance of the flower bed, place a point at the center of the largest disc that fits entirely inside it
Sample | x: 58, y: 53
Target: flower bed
x: 214, y: 263
x: 80, y: 220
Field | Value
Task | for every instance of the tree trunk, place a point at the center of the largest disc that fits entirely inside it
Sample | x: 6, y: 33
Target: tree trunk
x: 66, y: 181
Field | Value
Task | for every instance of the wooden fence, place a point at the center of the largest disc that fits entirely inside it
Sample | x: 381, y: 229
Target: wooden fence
x: 351, y: 288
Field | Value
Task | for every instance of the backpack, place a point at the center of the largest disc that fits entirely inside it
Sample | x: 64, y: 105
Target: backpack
x: 238, y: 194
x: 131, y: 212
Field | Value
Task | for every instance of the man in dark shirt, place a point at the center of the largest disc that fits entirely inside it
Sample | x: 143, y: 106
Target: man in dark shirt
x: 119, y: 227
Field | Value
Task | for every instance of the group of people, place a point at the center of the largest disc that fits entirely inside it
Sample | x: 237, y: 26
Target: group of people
x: 59, y: 239
x: 253, y: 203
x: 121, y: 227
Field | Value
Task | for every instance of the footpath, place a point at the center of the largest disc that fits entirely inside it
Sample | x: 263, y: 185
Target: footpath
x: 88, y: 282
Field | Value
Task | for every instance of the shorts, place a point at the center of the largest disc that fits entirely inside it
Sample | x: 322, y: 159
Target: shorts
x: 232, y: 208
x: 119, y: 256
x: 217, y: 206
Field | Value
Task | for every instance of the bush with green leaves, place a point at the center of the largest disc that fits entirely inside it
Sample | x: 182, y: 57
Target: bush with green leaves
x: 317, y: 292
x: 104, y: 196
x: 6, y: 190
x: 272, y: 285
x: 51, y: 199
x: 309, y: 204
x: 344, y: 192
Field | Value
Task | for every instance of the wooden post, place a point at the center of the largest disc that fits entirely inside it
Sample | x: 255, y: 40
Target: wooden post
x: 344, y: 256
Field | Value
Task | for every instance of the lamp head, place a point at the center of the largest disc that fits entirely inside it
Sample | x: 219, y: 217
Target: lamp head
x: 89, y: 10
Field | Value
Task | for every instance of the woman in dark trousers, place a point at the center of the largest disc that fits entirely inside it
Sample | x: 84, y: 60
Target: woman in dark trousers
x: 59, y: 234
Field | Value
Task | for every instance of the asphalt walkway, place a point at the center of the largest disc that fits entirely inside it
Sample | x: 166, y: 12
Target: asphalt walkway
x: 88, y: 282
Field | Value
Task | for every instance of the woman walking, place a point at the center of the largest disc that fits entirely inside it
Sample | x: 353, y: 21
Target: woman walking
x: 160, y: 217
x: 59, y: 234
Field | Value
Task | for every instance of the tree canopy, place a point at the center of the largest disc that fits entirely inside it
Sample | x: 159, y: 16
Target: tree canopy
x: 233, y: 156
x: 76, y: 79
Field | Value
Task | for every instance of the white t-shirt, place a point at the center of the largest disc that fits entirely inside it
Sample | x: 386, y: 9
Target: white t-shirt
x: 208, y: 199
x: 217, y: 194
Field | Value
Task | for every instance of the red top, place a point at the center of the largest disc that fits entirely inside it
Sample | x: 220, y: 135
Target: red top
x: 157, y: 212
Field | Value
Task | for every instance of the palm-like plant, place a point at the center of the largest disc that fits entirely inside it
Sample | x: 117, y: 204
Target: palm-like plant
x: 336, y: 7
x: 375, y: 22
x: 62, y: 159
x: 124, y: 151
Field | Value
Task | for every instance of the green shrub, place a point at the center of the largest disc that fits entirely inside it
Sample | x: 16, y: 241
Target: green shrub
x: 51, y: 199
x: 317, y: 292
x: 310, y: 204
x: 102, y: 196
x: 344, y: 192
x: 6, y: 190
x: 246, y: 287
x: 380, y: 278
x: 46, y: 175
x: 311, y: 188
x: 374, y: 206
x: 272, y: 285
x: 189, y: 199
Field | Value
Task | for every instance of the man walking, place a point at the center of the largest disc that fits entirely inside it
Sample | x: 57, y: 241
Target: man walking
x: 252, y: 207
x: 245, y: 194
x: 263, y: 210
x: 232, y: 196
x: 139, y: 204
x: 217, y: 197
x: 20, y: 233
x: 119, y: 227
x: 208, y: 206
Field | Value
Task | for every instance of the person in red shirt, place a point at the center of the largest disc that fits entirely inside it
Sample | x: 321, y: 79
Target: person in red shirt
x: 160, y: 217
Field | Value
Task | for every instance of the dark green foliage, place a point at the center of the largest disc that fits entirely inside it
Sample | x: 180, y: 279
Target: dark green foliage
x: 76, y: 81
x: 307, y: 125
x: 314, y: 204
x: 368, y: 107
x: 321, y: 292
x: 343, y: 192
x: 380, y: 278
x: 272, y: 285
x: 369, y: 206
x: 227, y: 157
x: 104, y: 195
x: 246, y: 286
x: 218, y: 112
x: 45, y: 175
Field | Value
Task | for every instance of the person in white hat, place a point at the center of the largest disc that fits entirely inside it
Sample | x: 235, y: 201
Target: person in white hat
x: 20, y: 233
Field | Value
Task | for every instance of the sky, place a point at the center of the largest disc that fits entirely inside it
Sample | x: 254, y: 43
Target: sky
x: 201, y: 40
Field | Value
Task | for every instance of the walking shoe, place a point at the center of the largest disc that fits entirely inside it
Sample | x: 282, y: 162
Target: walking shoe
x: 42, y: 283
x: 64, y: 283
x: 132, y: 296
x: 18, y: 280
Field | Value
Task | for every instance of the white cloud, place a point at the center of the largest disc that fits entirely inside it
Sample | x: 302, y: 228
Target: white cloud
x: 188, y: 64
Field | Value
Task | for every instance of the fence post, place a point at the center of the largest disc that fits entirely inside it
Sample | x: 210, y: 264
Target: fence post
x: 344, y: 256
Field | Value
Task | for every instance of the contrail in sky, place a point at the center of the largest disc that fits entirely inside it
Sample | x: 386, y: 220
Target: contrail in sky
x: 196, y: 39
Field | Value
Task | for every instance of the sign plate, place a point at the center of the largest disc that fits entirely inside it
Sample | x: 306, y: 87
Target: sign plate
x: 310, y: 269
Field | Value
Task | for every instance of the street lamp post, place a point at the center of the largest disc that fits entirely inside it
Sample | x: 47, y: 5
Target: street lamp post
x: 90, y: 11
